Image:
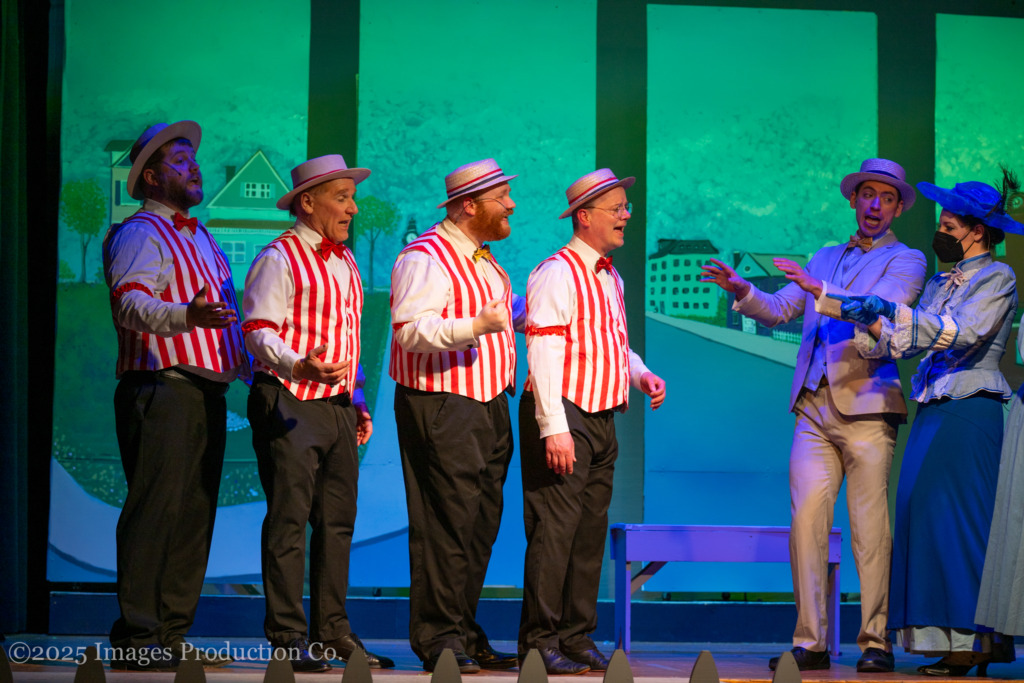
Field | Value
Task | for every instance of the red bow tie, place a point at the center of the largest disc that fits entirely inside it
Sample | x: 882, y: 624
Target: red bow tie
x: 603, y: 263
x: 328, y: 247
x: 182, y: 222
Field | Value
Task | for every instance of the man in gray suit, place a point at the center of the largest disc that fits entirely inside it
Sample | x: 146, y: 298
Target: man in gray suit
x: 847, y: 408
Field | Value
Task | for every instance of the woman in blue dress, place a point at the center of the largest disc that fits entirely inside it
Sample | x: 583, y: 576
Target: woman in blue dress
x: 948, y: 478
x: 1001, y: 602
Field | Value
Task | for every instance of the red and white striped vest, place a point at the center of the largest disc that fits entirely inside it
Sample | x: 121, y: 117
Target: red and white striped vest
x: 595, y: 375
x: 481, y: 373
x: 321, y: 314
x: 218, y: 350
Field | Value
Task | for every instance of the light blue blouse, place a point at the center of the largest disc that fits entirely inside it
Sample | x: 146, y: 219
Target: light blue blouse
x: 962, y: 321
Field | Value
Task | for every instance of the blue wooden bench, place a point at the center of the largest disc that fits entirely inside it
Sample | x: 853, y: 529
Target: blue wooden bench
x: 658, y: 544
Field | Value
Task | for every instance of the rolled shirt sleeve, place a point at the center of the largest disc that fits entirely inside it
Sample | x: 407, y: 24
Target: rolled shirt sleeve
x: 139, y: 268
x: 418, y: 305
x: 269, y: 290
x: 551, y: 298
x: 637, y: 369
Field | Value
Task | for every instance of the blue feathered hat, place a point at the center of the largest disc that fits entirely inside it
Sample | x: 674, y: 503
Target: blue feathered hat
x: 977, y: 199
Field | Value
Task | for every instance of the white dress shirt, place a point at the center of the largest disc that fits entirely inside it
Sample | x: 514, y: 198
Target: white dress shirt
x: 270, y: 294
x: 419, y: 301
x: 552, y: 296
x: 135, y: 254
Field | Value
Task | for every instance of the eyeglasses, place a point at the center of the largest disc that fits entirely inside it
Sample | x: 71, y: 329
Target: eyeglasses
x: 620, y: 210
x: 493, y: 199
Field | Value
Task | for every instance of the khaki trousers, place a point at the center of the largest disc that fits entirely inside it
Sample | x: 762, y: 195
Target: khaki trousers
x: 828, y: 446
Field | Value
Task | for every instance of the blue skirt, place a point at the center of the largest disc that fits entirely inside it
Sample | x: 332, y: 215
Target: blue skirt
x: 944, y: 504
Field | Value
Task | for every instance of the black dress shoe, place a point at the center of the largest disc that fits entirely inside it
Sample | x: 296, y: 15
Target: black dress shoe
x: 947, y: 670
x: 304, y: 661
x: 146, y: 658
x: 876, y: 660
x: 344, y: 646
x: 557, y: 664
x: 467, y: 665
x: 592, y: 657
x: 806, y: 660
x: 489, y: 658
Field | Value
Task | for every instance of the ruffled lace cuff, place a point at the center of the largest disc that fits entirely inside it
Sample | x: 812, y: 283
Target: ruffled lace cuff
x: 947, y: 335
x: 901, y: 331
x: 866, y: 343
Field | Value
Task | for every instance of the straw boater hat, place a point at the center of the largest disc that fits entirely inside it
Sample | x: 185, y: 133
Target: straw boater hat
x: 474, y: 177
x: 977, y: 199
x: 884, y: 171
x: 591, y: 186
x: 319, y: 170
x: 152, y: 139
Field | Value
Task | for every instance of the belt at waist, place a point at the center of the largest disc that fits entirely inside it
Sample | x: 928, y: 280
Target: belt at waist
x: 343, y: 399
x: 176, y: 374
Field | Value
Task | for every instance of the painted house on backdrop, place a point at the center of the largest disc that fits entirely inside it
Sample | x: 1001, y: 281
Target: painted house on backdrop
x: 674, y: 286
x: 243, y: 215
x: 121, y: 203
x: 759, y: 270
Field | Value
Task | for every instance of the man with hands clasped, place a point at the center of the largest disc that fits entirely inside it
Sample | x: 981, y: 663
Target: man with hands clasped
x: 303, y: 302
x: 453, y: 357
x: 581, y: 368
x: 847, y: 408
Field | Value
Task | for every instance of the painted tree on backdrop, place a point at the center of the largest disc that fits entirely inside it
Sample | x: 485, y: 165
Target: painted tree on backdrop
x: 83, y: 207
x: 376, y: 218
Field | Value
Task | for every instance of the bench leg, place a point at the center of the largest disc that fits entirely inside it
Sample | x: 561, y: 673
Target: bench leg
x: 623, y: 593
x: 833, y: 608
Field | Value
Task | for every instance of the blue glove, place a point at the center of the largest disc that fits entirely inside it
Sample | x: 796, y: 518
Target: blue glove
x: 857, y: 312
x: 864, y: 309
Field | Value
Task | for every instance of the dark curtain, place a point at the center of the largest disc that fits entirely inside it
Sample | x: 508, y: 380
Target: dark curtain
x: 30, y: 66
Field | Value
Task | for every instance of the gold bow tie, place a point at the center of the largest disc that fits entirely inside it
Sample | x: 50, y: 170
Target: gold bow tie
x: 483, y: 252
x: 863, y: 242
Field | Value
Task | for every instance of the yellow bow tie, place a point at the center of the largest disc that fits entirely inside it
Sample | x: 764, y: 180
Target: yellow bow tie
x: 483, y: 252
x: 863, y: 242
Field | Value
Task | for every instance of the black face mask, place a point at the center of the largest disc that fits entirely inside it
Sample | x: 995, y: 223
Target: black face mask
x: 948, y: 248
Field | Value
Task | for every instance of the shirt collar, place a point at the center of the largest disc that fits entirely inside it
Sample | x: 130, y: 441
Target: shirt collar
x: 307, y: 234
x: 974, y: 263
x: 162, y: 210
x: 586, y: 252
x: 460, y: 240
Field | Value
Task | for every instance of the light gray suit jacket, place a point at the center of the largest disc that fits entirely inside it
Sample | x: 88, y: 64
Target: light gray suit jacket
x: 860, y: 386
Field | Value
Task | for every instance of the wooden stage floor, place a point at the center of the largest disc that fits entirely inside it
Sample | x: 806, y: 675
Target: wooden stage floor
x: 650, y: 663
